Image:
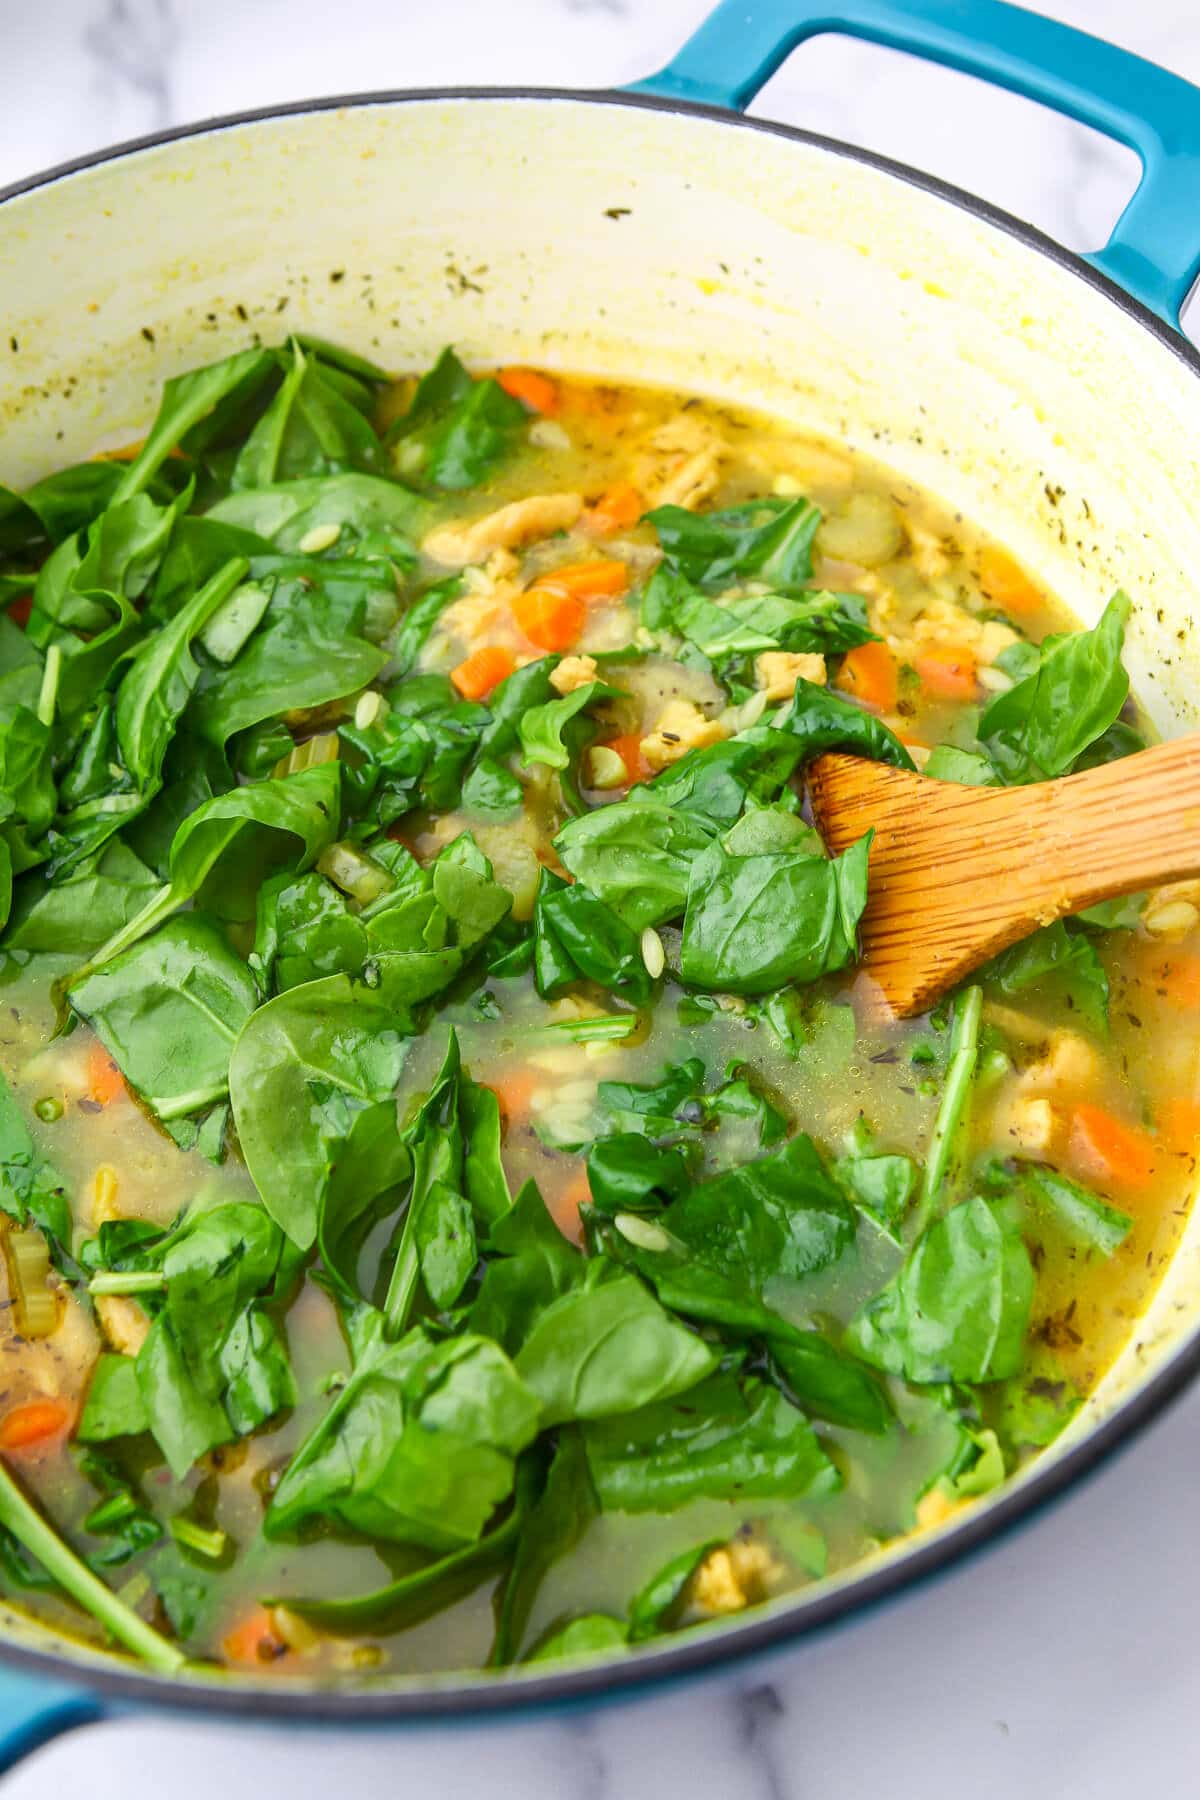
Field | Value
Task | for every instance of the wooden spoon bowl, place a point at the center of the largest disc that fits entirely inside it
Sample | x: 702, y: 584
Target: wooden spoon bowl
x: 957, y: 874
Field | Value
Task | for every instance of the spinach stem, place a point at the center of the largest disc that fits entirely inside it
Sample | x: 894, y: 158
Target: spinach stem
x: 73, y: 1575
x: 128, y: 1281
x: 956, y: 1095
x: 48, y: 697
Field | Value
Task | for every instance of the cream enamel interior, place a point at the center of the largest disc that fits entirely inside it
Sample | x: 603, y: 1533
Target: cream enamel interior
x: 645, y: 245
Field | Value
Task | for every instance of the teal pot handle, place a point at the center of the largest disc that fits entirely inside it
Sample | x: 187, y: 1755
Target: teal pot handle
x: 34, y: 1710
x: 1154, y: 251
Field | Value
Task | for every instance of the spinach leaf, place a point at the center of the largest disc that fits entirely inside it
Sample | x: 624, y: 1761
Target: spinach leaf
x: 763, y: 540
x: 366, y: 510
x: 576, y: 937
x: 158, y: 683
x: 57, y: 506
x: 213, y: 1365
x: 756, y: 922
x: 880, y: 1184
x: 716, y: 783
x: 187, y: 400
x: 727, y: 1439
x: 781, y: 1217
x: 607, y: 1347
x: 304, y: 931
x: 544, y: 729
x: 78, y: 912
x: 310, y: 428
x: 627, y: 1173
x: 829, y: 1384
x: 491, y: 793
x: 530, y: 1265
x: 311, y: 1073
x: 734, y: 626
x: 550, y: 1530
x: 457, y: 428
x: 591, y: 1634
x: 81, y: 584
x: 418, y: 1448
x: 819, y: 720
x: 418, y: 621
x: 114, y: 1406
x: 1062, y: 954
x: 635, y: 857
x: 168, y: 1011
x: 1040, y: 727
x: 652, y: 1610
x: 433, y: 1586
x: 250, y: 820
x: 1082, y: 1215
x: 449, y: 1187
x: 959, y: 1307
x: 120, y: 1519
x: 968, y: 767
x: 521, y: 692
x: 308, y: 651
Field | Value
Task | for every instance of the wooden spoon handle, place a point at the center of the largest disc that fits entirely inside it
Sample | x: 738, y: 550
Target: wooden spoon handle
x: 960, y: 873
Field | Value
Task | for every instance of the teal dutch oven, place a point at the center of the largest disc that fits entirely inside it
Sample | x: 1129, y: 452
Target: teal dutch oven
x: 656, y: 234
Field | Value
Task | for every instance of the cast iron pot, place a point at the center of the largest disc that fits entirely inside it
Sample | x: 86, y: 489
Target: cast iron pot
x: 655, y: 235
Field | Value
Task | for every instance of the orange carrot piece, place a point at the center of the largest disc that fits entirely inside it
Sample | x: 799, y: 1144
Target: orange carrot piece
x: 514, y: 1088
x: 869, y: 673
x: 564, y: 1206
x: 1006, y: 584
x: 550, y: 619
x: 1106, y: 1148
x: 1179, y: 1124
x: 482, y: 671
x: 948, y: 674
x: 20, y: 610
x: 254, y: 1641
x: 34, y: 1423
x: 629, y: 748
x: 617, y: 509
x: 1176, y: 978
x: 531, y: 388
x: 603, y: 579
x: 104, y: 1079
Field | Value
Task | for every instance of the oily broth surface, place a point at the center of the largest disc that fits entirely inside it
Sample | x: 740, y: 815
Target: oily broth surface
x: 925, y: 569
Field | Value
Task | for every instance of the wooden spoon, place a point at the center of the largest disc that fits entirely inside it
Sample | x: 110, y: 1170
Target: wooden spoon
x: 959, y: 873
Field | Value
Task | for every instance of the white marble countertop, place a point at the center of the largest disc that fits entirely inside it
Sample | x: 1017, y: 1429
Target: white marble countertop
x: 1062, y: 1665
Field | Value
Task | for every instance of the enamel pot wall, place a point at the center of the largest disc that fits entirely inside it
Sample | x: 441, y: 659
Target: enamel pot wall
x: 656, y: 236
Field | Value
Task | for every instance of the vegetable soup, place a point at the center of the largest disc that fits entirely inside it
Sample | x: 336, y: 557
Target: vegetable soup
x: 462, y: 1202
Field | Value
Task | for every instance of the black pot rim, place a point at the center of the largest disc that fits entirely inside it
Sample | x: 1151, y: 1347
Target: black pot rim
x: 713, y: 1650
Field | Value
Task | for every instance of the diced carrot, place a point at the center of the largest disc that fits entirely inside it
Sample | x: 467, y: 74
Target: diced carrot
x: 254, y: 1641
x: 603, y: 579
x: 514, y: 1089
x: 1006, y: 584
x: 123, y: 452
x: 482, y: 671
x: 20, y: 610
x: 550, y: 619
x: 564, y: 1206
x: 869, y: 673
x: 948, y: 674
x: 1179, y: 1124
x: 617, y: 509
x: 104, y: 1079
x: 629, y: 748
x: 531, y: 388
x: 34, y: 1423
x: 1108, y: 1149
x: 1176, y: 978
